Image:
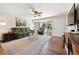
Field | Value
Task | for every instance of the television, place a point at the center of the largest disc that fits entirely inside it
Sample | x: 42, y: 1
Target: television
x: 77, y: 16
x: 71, y: 16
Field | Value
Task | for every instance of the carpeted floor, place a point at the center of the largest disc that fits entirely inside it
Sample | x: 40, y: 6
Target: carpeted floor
x: 25, y: 46
x: 40, y: 45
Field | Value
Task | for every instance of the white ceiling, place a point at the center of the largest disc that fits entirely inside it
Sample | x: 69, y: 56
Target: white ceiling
x: 23, y: 10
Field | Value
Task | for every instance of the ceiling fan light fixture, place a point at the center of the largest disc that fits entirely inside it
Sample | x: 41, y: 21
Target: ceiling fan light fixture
x: 35, y: 12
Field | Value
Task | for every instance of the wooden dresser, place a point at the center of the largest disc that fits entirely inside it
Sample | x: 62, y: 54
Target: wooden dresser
x: 73, y: 43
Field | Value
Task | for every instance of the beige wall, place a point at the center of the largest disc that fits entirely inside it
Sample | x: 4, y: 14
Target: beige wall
x: 59, y: 25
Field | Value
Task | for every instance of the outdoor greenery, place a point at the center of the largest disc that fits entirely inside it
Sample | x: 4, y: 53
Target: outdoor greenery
x: 47, y: 25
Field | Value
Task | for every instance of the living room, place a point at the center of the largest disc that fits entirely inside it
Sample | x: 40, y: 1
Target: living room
x: 25, y: 28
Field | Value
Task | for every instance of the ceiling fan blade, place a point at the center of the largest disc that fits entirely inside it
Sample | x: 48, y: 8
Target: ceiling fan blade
x: 40, y: 12
x: 39, y: 15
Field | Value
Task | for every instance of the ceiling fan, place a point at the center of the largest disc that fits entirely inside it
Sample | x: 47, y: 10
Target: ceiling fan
x: 35, y: 12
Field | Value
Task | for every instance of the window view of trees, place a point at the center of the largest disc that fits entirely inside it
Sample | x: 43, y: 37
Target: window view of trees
x: 47, y: 27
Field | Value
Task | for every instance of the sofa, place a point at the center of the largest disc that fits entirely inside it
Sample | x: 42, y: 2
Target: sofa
x: 20, y: 32
x: 16, y: 33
